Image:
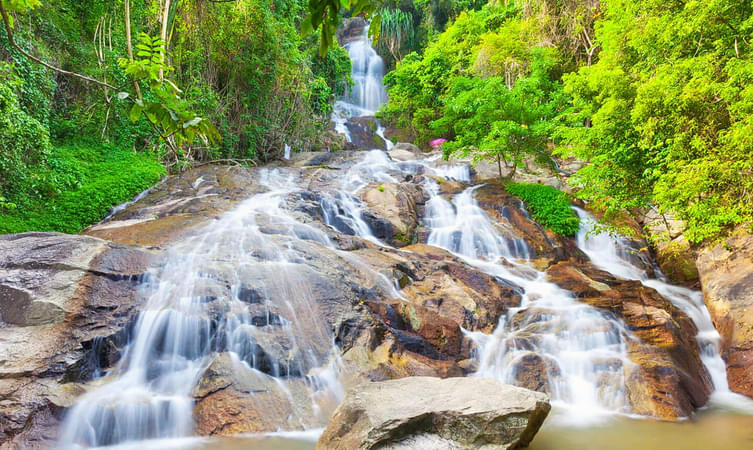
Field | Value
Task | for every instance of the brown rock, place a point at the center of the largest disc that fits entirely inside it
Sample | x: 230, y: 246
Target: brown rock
x: 397, y: 204
x: 670, y: 380
x: 65, y: 303
x: 726, y: 273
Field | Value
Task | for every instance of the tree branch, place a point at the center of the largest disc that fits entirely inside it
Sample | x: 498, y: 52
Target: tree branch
x: 9, y: 32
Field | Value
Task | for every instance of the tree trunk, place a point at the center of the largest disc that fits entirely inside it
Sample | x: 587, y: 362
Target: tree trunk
x: 128, y: 42
x: 163, y: 34
x: 499, y: 165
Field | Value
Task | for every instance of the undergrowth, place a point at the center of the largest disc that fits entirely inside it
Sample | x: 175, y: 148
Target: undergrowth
x: 549, y: 206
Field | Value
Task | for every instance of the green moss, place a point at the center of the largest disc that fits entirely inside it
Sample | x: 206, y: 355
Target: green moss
x: 549, y: 206
x: 89, y: 179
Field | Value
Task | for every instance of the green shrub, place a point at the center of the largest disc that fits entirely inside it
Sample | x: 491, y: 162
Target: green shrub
x: 90, y: 178
x: 24, y: 141
x: 549, y: 207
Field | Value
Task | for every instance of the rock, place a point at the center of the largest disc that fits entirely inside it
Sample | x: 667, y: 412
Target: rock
x: 179, y: 206
x: 398, y: 135
x: 535, y: 372
x: 726, y: 273
x: 66, y: 302
x: 397, y: 204
x: 674, y: 254
x: 403, y: 151
x: 351, y: 29
x: 670, y: 380
x: 543, y: 245
x: 231, y: 398
x: 423, y: 413
x: 363, y: 133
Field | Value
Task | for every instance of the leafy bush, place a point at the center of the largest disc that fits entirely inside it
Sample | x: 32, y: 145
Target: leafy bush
x: 24, y: 142
x: 90, y: 180
x: 548, y: 206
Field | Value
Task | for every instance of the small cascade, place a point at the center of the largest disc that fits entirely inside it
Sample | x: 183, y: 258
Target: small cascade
x: 614, y: 254
x: 576, y: 352
x: 235, y: 289
x: 368, y: 92
x: 343, y: 211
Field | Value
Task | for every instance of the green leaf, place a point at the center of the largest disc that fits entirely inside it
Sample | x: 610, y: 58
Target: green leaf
x: 136, y: 111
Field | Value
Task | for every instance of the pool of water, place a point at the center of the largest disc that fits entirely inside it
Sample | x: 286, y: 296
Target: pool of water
x: 709, y: 430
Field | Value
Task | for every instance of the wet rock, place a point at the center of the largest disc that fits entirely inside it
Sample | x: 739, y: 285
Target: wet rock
x: 422, y: 412
x: 396, y: 204
x: 179, y: 206
x: 231, y: 398
x: 669, y: 380
x: 363, y: 133
x: 535, y: 372
x: 508, y: 210
x: 351, y: 29
x: 403, y: 151
x: 726, y: 273
x: 66, y: 303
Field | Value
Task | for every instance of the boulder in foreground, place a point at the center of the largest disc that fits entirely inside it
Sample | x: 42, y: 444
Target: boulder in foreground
x: 433, y: 413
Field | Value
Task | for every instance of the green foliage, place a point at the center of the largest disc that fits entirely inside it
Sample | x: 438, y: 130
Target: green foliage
x: 417, y: 85
x: 326, y: 14
x: 24, y: 144
x: 664, y: 116
x: 396, y: 32
x: 490, y: 119
x: 164, y: 108
x: 89, y: 179
x: 549, y: 206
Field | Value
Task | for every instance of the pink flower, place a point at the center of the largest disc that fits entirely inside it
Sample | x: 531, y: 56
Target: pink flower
x: 437, y: 143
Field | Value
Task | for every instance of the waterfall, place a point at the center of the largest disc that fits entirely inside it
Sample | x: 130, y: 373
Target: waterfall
x: 235, y: 288
x: 580, y: 352
x: 367, y: 93
x: 614, y: 254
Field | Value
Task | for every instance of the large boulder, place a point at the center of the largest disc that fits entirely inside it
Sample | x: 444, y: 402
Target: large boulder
x: 726, y: 273
x: 66, y: 304
x: 431, y: 413
x: 397, y: 204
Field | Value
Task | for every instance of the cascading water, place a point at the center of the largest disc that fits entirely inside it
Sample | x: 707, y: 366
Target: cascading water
x: 614, y: 254
x: 235, y: 288
x: 580, y: 350
x: 368, y: 92
x: 238, y: 289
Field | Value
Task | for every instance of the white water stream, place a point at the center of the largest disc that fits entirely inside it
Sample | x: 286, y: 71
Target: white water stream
x: 581, y: 351
x: 578, y: 353
x: 233, y: 288
x: 614, y: 254
x: 368, y: 92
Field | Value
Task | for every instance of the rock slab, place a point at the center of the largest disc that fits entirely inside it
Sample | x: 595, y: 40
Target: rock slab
x: 727, y: 278
x: 433, y: 413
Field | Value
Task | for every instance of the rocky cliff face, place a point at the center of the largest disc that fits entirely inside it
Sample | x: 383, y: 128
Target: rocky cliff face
x: 68, y: 302
x: 726, y: 273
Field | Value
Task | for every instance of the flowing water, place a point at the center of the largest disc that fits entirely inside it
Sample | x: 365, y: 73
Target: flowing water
x: 235, y: 288
x: 367, y: 93
x: 578, y: 352
x: 266, y: 322
x: 614, y: 254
